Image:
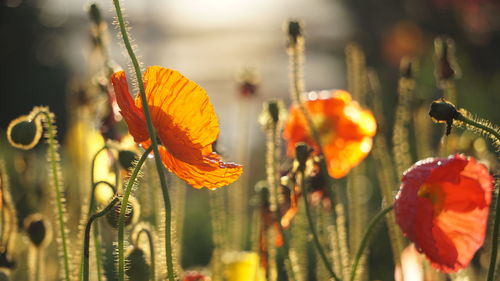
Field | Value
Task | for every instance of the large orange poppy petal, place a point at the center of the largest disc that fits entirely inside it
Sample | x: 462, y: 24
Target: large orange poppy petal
x: 179, y: 105
x: 130, y: 112
x: 210, y: 171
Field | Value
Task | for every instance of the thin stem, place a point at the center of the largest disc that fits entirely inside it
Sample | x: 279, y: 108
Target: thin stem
x: 154, y: 143
x: 313, y: 228
x: 57, y: 182
x: 364, y: 242
x: 86, y: 241
x: 479, y: 126
x: 494, y: 244
x: 123, y: 208
x: 151, y: 249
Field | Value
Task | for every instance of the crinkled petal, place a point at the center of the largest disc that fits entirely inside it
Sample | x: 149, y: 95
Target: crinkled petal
x: 180, y: 109
x: 130, y: 112
x: 209, y: 171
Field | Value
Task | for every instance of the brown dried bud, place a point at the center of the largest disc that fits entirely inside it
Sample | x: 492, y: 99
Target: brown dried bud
x: 295, y: 32
x: 302, y: 152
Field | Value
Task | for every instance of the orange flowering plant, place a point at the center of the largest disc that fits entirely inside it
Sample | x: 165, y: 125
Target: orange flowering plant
x: 442, y: 207
x: 185, y: 122
x: 344, y: 127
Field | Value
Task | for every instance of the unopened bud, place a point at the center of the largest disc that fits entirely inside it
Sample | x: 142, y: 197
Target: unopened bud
x: 95, y: 13
x: 442, y: 111
x: 302, y: 152
x: 38, y: 229
x: 273, y: 111
x: 446, y: 66
x: 138, y: 268
x: 126, y: 158
x: 24, y: 133
x: 131, y: 213
x: 294, y: 31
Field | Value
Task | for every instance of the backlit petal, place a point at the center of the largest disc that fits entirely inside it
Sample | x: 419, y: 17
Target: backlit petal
x: 131, y: 113
x: 209, y: 171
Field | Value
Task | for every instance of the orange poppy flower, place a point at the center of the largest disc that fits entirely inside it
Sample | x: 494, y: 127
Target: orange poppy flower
x: 442, y: 207
x: 185, y: 123
x: 345, y: 129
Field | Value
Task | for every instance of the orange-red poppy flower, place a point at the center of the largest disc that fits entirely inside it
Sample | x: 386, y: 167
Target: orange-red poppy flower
x: 185, y: 123
x: 442, y: 207
x: 345, y: 129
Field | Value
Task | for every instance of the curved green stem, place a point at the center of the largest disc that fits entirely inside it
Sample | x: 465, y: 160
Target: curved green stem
x: 86, y: 239
x: 313, y: 228
x: 151, y: 249
x: 123, y: 208
x: 57, y: 182
x: 479, y: 126
x: 154, y: 142
x: 366, y: 236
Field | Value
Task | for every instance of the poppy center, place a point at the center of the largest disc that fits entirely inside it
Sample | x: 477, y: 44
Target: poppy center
x: 435, y: 194
x: 325, y: 128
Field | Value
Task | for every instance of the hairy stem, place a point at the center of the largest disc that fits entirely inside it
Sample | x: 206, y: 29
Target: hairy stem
x: 317, y: 244
x: 123, y: 209
x: 151, y: 249
x: 86, y: 239
x: 154, y: 143
x: 54, y: 168
x: 364, y: 241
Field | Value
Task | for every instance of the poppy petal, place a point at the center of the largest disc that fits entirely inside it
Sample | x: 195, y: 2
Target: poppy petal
x: 209, y: 171
x: 130, y: 112
x: 180, y: 109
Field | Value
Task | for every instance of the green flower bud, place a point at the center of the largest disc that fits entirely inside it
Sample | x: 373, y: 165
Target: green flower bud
x: 138, y: 269
x: 131, y: 213
x: 126, y: 158
x: 442, y: 111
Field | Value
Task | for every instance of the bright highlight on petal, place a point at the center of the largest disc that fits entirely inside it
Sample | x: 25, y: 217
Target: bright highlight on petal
x: 442, y: 207
x: 345, y: 129
x: 185, y: 122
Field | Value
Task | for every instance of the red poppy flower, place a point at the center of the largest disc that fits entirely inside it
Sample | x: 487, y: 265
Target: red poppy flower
x: 442, y: 207
x: 345, y: 129
x: 185, y: 123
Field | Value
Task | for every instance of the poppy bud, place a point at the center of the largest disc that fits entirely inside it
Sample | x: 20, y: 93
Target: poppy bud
x: 294, y: 32
x: 131, y: 213
x: 407, y: 68
x: 95, y: 13
x: 138, y: 269
x: 6, y: 260
x: 272, y: 112
x: 24, y: 133
x: 126, y: 158
x: 446, y: 67
x: 443, y: 111
x: 38, y: 229
x: 302, y: 152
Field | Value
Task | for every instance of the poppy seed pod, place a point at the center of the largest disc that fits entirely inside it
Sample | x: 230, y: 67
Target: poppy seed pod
x: 126, y: 158
x: 38, y: 229
x: 24, y: 133
x: 131, y: 213
x: 138, y: 269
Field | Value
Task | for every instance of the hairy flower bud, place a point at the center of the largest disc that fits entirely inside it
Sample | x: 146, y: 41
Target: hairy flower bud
x: 131, y: 213
x: 302, y: 152
x: 442, y: 111
x: 24, y: 133
x: 126, y: 158
x: 138, y: 268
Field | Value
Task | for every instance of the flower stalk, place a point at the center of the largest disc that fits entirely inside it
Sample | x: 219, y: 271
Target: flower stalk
x: 366, y: 236
x: 154, y: 144
x: 123, y: 209
x: 86, y: 241
x: 151, y: 245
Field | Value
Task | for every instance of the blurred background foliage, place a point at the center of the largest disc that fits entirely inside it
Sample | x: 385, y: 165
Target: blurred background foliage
x: 45, y: 47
